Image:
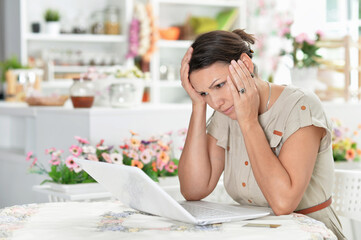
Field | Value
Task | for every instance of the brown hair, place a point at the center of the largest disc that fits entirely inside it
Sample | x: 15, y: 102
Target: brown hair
x: 220, y: 46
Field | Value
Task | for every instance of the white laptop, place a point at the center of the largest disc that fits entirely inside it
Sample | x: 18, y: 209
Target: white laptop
x: 138, y: 191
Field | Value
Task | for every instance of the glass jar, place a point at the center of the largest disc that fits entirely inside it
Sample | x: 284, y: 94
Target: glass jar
x: 112, y: 20
x: 97, y: 22
x: 126, y: 93
x: 82, y: 93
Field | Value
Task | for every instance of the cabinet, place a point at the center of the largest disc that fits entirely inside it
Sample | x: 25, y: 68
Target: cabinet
x: 112, y: 49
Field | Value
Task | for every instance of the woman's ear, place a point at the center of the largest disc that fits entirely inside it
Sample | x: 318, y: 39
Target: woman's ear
x: 247, y: 61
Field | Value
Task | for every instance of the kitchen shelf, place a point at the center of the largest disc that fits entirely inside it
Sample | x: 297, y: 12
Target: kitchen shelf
x: 167, y: 83
x: 212, y: 3
x: 174, y: 43
x: 76, y: 38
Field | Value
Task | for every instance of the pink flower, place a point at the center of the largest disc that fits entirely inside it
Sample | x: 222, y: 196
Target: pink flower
x: 310, y: 41
x: 146, y: 156
x: 285, y: 31
x: 92, y: 157
x: 320, y: 33
x: 34, y: 162
x: 70, y: 162
x: 171, y: 167
x: 56, y: 154
x: 50, y: 150
x: 54, y: 162
x: 29, y: 156
x: 106, y: 157
x: 81, y: 140
x: 300, y: 38
x: 75, y: 150
x: 133, y: 155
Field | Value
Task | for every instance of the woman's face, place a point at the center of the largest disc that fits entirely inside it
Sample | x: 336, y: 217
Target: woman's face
x: 211, y: 84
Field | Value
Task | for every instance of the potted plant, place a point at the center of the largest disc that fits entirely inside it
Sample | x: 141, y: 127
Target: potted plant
x: 155, y: 156
x: 52, y: 18
x: 11, y: 63
x: 303, y: 51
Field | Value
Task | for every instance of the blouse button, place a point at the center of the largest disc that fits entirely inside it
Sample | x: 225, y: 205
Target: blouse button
x: 246, y: 163
x: 244, y: 184
x: 249, y: 200
x: 227, y: 148
x: 303, y: 108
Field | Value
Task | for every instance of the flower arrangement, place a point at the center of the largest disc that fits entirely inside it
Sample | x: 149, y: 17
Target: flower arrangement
x: 153, y: 156
x: 344, y: 146
x: 304, y: 49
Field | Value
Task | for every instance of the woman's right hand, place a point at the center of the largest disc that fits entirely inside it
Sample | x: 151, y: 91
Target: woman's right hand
x: 186, y: 84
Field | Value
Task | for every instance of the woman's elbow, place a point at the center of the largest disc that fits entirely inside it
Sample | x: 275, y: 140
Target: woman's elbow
x: 191, y: 195
x: 283, y: 208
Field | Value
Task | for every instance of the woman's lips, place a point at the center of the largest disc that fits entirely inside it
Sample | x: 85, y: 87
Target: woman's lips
x: 228, y: 110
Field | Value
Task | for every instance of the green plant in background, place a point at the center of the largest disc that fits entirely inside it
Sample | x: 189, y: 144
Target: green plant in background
x: 51, y: 15
x: 11, y: 63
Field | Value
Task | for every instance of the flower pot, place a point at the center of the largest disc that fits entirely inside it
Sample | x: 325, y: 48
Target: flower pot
x: 304, y: 77
x: 52, y: 28
x: 79, y: 188
x: 348, y: 165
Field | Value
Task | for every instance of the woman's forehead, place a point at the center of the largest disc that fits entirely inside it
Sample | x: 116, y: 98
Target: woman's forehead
x: 210, y: 73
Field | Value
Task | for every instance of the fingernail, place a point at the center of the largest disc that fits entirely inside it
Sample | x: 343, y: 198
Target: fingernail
x: 239, y: 61
x: 233, y: 62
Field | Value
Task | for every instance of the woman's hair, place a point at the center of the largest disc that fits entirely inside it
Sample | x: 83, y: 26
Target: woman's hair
x: 220, y: 46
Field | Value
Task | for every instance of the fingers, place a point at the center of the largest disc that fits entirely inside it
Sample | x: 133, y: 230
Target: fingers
x: 187, y: 56
x: 238, y: 82
x: 242, y: 67
x: 233, y: 89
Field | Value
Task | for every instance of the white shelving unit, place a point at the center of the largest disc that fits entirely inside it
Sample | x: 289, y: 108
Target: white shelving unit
x: 169, y: 53
x: 175, y: 13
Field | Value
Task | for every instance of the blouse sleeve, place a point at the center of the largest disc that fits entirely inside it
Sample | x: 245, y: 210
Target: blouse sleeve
x: 308, y: 111
x: 218, y: 128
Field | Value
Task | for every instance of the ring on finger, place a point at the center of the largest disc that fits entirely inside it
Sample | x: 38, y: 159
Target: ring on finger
x: 242, y: 90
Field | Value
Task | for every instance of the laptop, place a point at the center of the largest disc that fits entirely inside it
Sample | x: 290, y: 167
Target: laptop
x: 137, y: 190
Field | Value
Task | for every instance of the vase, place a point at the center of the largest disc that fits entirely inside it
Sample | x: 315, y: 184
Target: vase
x: 79, y: 188
x: 52, y: 28
x: 346, y: 165
x: 304, y: 77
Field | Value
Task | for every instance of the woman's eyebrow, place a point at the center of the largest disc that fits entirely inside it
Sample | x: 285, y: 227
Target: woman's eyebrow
x: 213, y: 83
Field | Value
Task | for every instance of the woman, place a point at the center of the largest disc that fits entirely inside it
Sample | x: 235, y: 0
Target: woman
x: 272, y: 142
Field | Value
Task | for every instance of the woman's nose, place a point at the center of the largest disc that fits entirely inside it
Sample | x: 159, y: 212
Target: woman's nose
x: 217, y: 100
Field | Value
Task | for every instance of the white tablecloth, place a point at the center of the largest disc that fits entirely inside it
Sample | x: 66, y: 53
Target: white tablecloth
x: 111, y: 220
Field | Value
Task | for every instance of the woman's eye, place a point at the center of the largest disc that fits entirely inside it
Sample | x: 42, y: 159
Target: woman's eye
x: 220, y: 85
x: 203, y: 94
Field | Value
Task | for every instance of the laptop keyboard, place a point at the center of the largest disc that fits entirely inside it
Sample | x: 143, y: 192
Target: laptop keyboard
x: 201, y: 212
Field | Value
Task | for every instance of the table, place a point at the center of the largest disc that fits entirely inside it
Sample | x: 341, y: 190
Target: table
x: 111, y: 220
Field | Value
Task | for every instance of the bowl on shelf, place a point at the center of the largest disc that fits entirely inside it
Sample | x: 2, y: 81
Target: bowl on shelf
x: 47, y: 100
x: 170, y: 33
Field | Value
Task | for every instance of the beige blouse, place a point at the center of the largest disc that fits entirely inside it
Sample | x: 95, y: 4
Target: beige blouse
x: 295, y: 108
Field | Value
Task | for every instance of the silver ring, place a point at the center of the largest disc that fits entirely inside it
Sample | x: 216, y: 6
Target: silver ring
x: 242, y: 90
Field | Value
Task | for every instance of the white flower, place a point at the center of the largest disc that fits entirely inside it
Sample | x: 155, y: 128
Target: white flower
x: 89, y: 149
x: 116, y: 158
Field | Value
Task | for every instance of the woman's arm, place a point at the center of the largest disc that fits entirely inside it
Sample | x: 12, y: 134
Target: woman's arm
x: 202, y: 161
x: 283, y: 179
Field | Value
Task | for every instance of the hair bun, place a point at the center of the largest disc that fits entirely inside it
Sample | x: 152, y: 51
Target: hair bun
x: 244, y: 36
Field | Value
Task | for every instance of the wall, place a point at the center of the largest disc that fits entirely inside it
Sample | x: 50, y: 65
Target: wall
x: 11, y: 15
x: 2, y: 33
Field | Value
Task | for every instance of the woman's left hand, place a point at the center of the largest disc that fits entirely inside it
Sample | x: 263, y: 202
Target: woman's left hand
x: 244, y: 91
